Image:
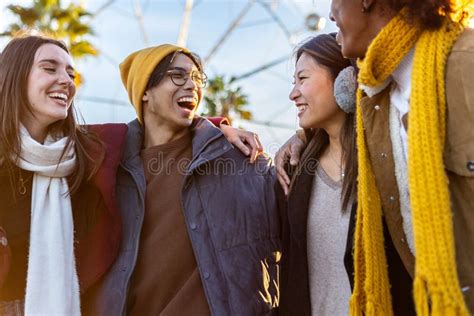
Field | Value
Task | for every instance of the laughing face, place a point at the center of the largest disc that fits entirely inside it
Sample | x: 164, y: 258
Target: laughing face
x: 51, y: 87
x: 313, y: 94
x: 170, y: 106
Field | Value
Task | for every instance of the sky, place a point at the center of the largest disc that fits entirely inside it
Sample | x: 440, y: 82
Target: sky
x: 262, y: 36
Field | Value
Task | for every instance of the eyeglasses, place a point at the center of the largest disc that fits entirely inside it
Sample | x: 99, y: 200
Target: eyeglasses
x: 180, y: 77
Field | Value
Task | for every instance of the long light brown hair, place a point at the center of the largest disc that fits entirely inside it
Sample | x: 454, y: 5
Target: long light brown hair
x: 325, y: 50
x: 16, y: 61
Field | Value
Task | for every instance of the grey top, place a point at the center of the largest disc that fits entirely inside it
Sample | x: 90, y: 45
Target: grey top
x: 327, y: 236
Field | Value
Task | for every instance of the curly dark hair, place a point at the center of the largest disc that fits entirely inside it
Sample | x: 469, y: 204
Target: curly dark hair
x: 428, y: 13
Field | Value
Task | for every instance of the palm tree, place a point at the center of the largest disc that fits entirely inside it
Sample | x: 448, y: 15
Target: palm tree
x: 222, y: 99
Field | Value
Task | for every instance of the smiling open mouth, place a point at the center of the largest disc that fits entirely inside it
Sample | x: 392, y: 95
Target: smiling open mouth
x: 58, y: 96
x: 301, y: 108
x: 187, y: 103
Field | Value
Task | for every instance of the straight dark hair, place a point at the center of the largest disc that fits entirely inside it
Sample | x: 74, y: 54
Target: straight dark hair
x: 325, y: 50
x: 16, y: 61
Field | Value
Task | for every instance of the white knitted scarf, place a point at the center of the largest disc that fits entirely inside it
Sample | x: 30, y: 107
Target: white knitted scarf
x: 52, y: 286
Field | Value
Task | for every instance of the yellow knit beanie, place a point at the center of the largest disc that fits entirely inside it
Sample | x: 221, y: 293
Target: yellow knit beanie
x: 137, y: 68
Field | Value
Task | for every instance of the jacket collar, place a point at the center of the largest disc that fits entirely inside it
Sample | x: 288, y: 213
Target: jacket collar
x: 372, y: 91
x: 133, y: 145
x: 401, y: 76
x: 208, y: 143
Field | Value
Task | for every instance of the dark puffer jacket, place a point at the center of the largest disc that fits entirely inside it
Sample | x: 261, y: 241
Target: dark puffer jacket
x: 230, y: 211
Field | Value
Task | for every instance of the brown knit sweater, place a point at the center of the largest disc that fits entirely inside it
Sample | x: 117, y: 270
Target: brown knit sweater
x: 166, y: 279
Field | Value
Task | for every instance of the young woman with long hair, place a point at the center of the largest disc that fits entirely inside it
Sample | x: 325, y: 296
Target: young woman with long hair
x: 59, y: 224
x: 316, y: 213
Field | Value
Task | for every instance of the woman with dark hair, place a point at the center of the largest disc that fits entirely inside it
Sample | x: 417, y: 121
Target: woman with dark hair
x: 316, y: 214
x: 59, y: 224
x: 415, y: 149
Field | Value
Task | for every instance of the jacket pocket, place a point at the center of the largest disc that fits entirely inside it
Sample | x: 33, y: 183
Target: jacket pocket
x: 252, y: 277
x: 459, y: 154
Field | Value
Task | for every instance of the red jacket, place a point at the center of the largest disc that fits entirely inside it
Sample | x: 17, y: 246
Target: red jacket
x: 96, y: 252
x: 96, y: 249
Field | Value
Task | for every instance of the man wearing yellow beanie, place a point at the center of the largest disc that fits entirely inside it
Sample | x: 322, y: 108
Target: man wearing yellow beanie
x: 201, y: 231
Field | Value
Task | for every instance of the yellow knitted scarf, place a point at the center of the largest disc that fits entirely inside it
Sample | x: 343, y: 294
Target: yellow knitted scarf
x: 436, y: 286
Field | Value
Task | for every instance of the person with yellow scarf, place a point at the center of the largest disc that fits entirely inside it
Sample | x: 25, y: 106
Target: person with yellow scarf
x: 415, y: 138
